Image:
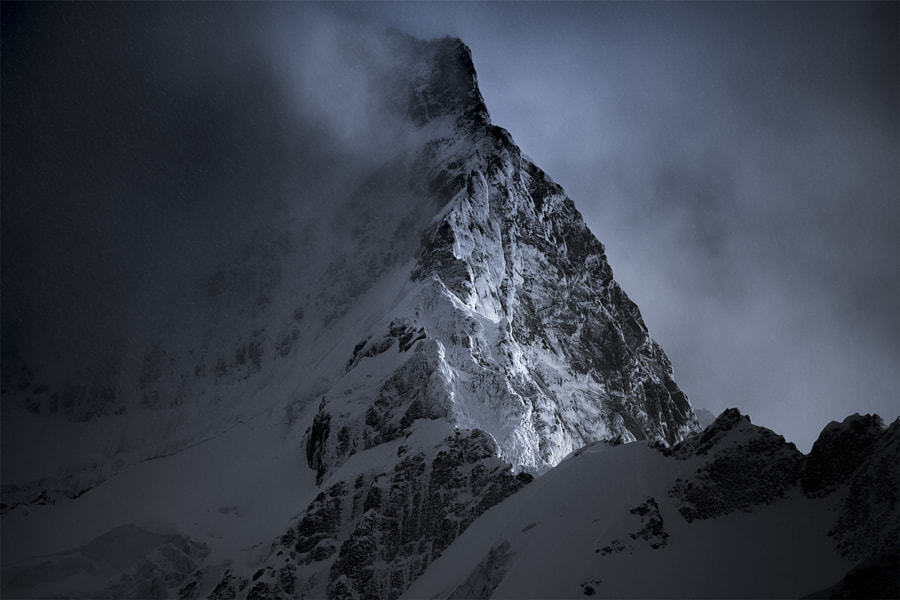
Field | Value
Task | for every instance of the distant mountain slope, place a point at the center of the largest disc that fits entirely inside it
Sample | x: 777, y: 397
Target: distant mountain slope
x: 704, y: 417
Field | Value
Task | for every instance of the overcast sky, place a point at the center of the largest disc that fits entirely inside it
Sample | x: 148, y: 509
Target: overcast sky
x: 739, y: 162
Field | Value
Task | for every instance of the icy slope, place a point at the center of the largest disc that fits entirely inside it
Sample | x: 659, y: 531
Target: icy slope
x: 622, y: 522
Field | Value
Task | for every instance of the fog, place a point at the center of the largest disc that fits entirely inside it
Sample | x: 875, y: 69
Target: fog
x: 144, y: 143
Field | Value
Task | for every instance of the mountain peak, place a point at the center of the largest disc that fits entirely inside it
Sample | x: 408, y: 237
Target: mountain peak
x: 454, y: 331
x: 730, y: 430
x: 839, y: 451
x: 446, y: 84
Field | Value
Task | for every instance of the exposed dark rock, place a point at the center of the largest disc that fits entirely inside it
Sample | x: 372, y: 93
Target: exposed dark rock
x: 321, y: 521
x: 424, y: 508
x: 189, y: 591
x: 649, y: 529
x: 437, y: 259
x: 615, y: 545
x: 589, y: 588
x: 263, y: 591
x: 400, y: 332
x: 373, y: 539
x: 653, y: 530
x: 316, y: 443
x: 746, y: 466
x: 449, y: 87
x: 225, y: 589
x: 701, y: 444
x: 869, y: 520
x: 838, y: 452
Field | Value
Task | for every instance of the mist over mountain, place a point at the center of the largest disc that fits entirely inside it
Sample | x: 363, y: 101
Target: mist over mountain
x: 285, y: 314
x: 149, y: 146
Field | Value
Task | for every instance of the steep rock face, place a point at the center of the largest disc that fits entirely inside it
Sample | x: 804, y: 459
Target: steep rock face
x: 445, y: 85
x: 532, y: 339
x: 576, y: 361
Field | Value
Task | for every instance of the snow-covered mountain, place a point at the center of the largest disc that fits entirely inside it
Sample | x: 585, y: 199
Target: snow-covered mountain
x: 333, y: 407
x: 457, y: 332
x: 733, y: 512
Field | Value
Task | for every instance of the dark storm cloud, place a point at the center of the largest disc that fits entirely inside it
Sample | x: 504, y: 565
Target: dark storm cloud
x: 141, y: 141
x: 739, y: 161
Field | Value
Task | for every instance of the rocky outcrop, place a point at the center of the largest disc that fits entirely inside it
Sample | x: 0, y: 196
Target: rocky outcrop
x: 745, y: 466
x: 838, y: 452
x: 648, y: 527
x: 371, y: 538
x: 869, y: 520
x: 856, y: 462
x: 447, y: 86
